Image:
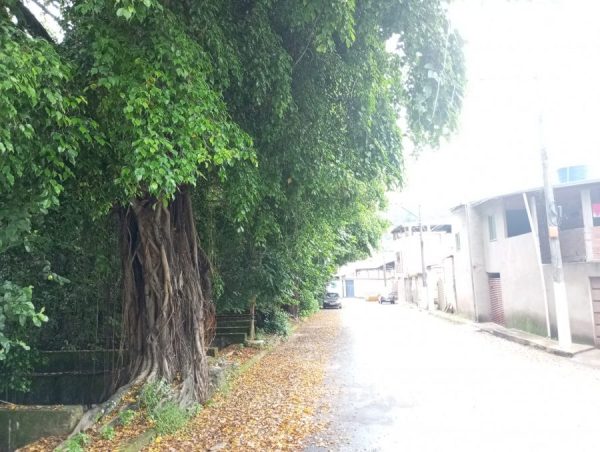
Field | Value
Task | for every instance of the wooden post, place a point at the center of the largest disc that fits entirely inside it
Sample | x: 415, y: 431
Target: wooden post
x: 252, y: 309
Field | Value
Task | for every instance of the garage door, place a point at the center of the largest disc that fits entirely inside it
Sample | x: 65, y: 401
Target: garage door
x: 497, y: 307
x: 595, y: 285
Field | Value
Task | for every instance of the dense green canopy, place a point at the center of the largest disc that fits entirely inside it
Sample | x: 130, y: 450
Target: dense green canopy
x: 281, y: 121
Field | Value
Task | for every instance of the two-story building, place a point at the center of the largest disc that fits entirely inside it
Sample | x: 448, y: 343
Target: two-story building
x: 503, y: 271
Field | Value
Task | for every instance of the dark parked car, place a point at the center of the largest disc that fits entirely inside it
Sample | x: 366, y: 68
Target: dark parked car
x: 332, y: 300
x: 391, y: 297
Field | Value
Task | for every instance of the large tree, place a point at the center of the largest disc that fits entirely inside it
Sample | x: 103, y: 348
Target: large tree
x: 277, y: 119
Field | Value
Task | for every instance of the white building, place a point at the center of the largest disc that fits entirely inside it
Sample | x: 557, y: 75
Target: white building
x: 436, y: 256
x: 502, y: 261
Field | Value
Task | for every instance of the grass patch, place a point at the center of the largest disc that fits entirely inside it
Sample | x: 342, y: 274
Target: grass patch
x: 126, y: 417
x: 108, y: 433
x: 168, y: 417
x: 76, y: 443
x: 152, y: 394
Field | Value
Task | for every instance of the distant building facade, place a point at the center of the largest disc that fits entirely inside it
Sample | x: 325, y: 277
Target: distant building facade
x: 438, y: 259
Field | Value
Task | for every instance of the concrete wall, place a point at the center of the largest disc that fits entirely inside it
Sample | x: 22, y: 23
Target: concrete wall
x: 21, y: 425
x: 462, y: 266
x: 409, y: 289
x: 478, y: 225
x: 572, y: 245
x: 492, y: 249
x: 577, y: 282
x: 364, y: 288
x: 522, y: 289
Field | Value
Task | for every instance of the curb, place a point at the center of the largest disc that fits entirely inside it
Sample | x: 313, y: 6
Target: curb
x: 518, y: 340
x: 516, y: 336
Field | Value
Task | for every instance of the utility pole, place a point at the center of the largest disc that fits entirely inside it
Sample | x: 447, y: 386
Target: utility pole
x: 423, y: 266
x: 560, y: 291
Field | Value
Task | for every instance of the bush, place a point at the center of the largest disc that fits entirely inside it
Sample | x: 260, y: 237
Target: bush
x: 169, y: 417
x: 154, y: 393
x: 309, y: 303
x: 16, y: 368
x: 107, y: 433
x: 276, y: 322
x: 125, y: 417
x: 76, y: 443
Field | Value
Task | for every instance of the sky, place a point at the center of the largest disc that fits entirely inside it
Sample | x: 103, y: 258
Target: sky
x: 524, y: 59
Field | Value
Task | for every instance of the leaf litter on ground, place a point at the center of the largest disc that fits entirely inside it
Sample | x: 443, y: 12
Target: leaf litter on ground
x: 273, y: 405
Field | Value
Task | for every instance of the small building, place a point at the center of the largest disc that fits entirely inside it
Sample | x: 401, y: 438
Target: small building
x: 438, y: 250
x: 502, y: 262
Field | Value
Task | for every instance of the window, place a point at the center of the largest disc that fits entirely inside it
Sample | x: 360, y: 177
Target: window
x: 492, y: 227
x: 517, y: 222
x: 457, y: 238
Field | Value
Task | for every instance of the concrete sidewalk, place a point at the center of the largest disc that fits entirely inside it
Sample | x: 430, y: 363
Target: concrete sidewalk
x: 586, y: 354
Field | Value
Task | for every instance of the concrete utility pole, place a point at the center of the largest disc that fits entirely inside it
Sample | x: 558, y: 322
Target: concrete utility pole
x: 423, y: 266
x: 560, y: 291
x: 538, y: 257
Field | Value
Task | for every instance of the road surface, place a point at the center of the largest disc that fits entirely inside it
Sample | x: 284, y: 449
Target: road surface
x: 404, y: 380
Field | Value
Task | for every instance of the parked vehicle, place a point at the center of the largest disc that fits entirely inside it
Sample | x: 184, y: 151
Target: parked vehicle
x: 390, y: 297
x: 332, y: 300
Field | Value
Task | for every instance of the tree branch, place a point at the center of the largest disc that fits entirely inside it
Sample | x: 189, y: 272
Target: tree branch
x: 46, y: 10
x: 32, y: 25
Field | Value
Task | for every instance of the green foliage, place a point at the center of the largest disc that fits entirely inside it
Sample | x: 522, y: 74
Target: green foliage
x: 309, y: 302
x: 148, y: 86
x: 76, y: 443
x: 16, y: 307
x: 153, y: 393
x: 107, y: 433
x: 14, y: 369
x: 275, y: 321
x: 40, y: 134
x: 126, y: 417
x: 40, y: 131
x: 169, y: 417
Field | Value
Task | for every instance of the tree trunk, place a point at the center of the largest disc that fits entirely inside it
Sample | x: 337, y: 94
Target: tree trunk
x: 168, y: 316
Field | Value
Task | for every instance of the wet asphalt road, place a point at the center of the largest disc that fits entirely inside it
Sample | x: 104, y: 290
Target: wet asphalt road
x: 403, y: 380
